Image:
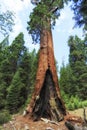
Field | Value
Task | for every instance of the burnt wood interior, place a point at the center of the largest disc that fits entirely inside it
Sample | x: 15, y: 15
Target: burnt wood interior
x: 48, y: 105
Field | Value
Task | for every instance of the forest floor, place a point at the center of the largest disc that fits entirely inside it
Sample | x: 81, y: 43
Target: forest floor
x: 79, y: 112
x: 19, y: 122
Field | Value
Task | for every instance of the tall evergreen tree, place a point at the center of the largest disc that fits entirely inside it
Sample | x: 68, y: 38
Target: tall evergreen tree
x: 17, y: 49
x: 77, y: 59
x: 3, y: 56
x: 29, y: 68
x: 42, y: 19
x: 44, y: 16
x: 10, y: 60
x: 66, y: 78
x: 14, y: 97
x: 22, y: 82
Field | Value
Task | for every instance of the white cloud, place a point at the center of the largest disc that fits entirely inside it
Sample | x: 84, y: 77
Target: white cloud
x: 65, y: 14
x: 70, y: 31
x: 16, y: 5
x: 20, y: 9
x: 16, y: 29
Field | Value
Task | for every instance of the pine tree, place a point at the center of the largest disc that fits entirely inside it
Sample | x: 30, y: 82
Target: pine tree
x: 14, y: 98
x: 66, y: 78
x: 11, y: 57
x: 78, y: 65
x: 22, y: 82
x: 29, y: 67
x: 3, y: 46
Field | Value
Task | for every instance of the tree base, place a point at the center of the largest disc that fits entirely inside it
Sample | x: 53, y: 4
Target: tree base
x: 47, y: 104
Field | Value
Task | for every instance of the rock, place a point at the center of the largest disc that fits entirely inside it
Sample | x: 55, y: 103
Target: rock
x: 49, y: 128
x: 26, y: 127
x: 4, y: 125
x: 24, y: 113
x: 11, y: 122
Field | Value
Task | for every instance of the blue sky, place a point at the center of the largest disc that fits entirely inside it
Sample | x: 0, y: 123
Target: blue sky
x: 62, y: 30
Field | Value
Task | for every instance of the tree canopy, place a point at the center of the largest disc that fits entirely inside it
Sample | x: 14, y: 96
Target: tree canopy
x: 73, y: 76
x: 80, y: 12
x: 44, y: 16
x: 6, y: 22
x: 17, y: 73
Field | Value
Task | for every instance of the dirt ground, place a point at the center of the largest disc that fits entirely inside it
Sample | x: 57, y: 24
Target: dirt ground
x: 79, y: 112
x: 22, y: 123
x: 19, y: 122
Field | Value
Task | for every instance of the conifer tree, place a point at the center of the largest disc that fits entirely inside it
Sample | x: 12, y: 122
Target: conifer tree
x: 77, y: 59
x: 46, y: 92
x: 3, y: 47
x: 15, y: 98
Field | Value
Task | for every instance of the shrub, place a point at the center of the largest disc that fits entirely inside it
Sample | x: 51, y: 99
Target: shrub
x: 73, y: 103
x: 84, y: 103
x: 70, y: 106
x: 76, y: 102
x: 4, y: 116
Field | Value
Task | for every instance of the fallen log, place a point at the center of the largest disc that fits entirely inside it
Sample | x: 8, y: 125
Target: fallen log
x: 72, y: 118
x: 74, y: 126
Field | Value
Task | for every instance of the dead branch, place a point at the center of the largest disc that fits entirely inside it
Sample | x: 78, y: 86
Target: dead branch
x: 84, y: 116
x: 49, y: 121
x: 12, y: 125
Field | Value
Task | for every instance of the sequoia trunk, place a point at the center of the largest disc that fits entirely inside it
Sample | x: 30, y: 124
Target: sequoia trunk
x: 46, y: 100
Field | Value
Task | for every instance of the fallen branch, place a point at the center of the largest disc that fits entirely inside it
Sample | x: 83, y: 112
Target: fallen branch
x: 12, y: 125
x: 76, y: 119
x: 84, y: 116
x: 49, y: 121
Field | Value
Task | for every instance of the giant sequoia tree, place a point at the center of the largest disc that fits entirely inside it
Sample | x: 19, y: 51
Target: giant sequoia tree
x: 46, y: 100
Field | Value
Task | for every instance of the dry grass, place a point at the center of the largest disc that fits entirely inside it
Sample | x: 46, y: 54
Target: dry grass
x: 79, y: 112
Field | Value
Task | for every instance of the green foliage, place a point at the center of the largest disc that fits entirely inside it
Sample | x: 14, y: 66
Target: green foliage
x: 23, y: 82
x: 76, y: 103
x: 80, y: 10
x: 77, y: 61
x: 84, y: 103
x: 73, y: 77
x: 17, y: 74
x: 4, y: 117
x: 15, y: 90
x: 6, y: 22
x: 43, y: 17
x: 11, y: 58
x: 73, y: 102
x: 2, y: 95
x: 66, y: 79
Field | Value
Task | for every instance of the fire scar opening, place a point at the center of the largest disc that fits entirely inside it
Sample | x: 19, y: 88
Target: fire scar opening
x: 48, y: 105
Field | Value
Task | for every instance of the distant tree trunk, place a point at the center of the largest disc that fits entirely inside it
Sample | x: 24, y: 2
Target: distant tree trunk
x: 46, y: 100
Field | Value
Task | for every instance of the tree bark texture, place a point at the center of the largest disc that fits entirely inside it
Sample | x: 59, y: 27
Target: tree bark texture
x: 46, y: 100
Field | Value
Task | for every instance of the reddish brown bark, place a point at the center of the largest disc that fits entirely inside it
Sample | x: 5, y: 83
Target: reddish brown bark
x: 46, y: 85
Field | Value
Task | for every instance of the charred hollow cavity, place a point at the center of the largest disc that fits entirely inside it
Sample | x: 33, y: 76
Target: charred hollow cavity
x: 48, y: 105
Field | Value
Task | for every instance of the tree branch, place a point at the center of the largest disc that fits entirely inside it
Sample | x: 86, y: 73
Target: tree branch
x: 36, y: 2
x: 54, y: 10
